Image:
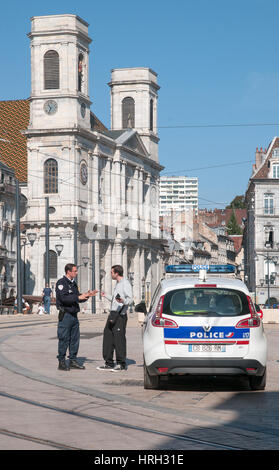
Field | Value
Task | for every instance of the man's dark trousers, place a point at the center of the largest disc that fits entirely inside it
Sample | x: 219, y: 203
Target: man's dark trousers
x: 68, y: 336
x: 115, y: 339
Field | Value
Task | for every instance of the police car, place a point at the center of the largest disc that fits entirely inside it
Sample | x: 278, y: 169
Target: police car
x: 202, y: 321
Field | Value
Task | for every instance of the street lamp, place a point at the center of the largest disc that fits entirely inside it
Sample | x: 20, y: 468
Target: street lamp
x: 102, y: 276
x: 85, y: 260
x: 271, y: 277
x: 59, y: 248
x: 32, y: 236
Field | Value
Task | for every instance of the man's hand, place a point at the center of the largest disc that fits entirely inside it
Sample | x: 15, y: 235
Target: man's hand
x: 119, y: 300
x: 91, y: 293
x: 84, y: 296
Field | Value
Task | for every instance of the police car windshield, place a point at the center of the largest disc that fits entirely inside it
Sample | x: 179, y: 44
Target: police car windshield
x: 206, y: 302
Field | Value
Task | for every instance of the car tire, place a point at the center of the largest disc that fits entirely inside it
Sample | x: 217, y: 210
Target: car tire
x: 258, y: 382
x: 150, y: 382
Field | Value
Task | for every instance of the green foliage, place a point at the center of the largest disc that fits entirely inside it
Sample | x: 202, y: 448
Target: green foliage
x: 233, y: 227
x: 237, y: 203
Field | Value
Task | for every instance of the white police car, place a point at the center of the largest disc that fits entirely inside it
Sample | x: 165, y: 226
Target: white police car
x: 202, y: 321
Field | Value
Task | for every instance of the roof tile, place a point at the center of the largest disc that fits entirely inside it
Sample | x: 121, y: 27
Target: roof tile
x: 14, y: 117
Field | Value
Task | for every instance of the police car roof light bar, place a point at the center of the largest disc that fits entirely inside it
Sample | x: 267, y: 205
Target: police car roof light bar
x: 195, y: 268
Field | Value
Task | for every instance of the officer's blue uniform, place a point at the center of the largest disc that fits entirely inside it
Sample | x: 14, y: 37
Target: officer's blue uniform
x: 67, y: 294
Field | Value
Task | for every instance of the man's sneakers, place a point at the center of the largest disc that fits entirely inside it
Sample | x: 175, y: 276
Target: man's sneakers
x: 116, y: 368
x: 119, y: 367
x: 105, y: 367
x: 75, y: 365
x: 62, y: 365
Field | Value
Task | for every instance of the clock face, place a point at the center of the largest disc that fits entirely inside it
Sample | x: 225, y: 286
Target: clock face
x: 82, y: 109
x: 50, y: 107
x: 83, y: 173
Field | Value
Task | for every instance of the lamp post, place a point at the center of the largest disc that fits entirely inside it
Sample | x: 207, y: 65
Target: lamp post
x: 131, y: 279
x: 85, y: 260
x: 32, y: 236
x: 18, y: 248
x: 143, y: 289
x: 271, y: 277
x: 47, y: 242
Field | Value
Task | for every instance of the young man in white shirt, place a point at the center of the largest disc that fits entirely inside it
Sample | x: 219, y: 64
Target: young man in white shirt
x: 115, y: 330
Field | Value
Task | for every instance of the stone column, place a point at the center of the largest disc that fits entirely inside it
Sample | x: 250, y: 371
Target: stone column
x: 108, y: 265
x: 125, y: 259
x: 94, y: 184
x: 140, y: 199
x: 116, y: 192
x: 147, y: 204
x: 137, y: 276
x: 107, y: 190
x: 123, y: 196
x: 135, y: 199
x: 117, y: 252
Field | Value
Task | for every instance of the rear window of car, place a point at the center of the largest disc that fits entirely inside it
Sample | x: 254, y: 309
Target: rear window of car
x: 206, y: 302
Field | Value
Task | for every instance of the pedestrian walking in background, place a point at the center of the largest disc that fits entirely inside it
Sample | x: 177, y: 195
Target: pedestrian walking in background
x: 68, y: 299
x: 47, y: 294
x: 40, y: 309
x: 114, y: 338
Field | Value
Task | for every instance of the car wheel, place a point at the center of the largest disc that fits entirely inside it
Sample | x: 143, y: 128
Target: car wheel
x: 258, y: 382
x: 150, y: 381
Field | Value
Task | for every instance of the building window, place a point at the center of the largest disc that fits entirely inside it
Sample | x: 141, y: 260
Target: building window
x: 268, y: 204
x: 51, y: 70
x: 151, y: 116
x: 80, y: 71
x: 52, y: 264
x: 51, y: 176
x: 128, y: 113
x: 268, y: 237
x: 275, y: 171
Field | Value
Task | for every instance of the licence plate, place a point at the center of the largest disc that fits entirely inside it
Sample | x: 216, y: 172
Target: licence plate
x: 207, y: 348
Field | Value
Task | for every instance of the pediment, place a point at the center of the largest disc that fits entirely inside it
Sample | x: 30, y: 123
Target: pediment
x: 132, y: 140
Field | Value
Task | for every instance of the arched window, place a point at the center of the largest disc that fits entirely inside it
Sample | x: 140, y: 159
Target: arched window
x: 151, y: 115
x: 52, y: 264
x: 80, y: 71
x: 128, y: 113
x: 51, y: 176
x: 51, y: 70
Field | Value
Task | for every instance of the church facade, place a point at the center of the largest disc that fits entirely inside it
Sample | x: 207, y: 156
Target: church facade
x: 100, y: 186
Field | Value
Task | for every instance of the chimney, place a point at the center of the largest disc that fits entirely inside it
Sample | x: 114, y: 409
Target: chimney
x: 259, y: 157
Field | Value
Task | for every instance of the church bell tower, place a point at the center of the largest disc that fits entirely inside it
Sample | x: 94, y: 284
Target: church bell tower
x: 59, y: 72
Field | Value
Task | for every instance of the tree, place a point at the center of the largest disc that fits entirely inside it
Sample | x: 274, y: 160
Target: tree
x: 233, y: 227
x: 237, y: 203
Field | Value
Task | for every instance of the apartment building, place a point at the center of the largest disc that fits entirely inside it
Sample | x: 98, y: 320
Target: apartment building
x: 178, y: 193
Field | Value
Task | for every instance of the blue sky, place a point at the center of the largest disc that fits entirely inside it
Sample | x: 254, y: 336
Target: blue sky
x: 217, y: 64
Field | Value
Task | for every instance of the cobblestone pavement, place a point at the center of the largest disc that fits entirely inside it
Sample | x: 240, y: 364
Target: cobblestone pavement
x: 44, y: 408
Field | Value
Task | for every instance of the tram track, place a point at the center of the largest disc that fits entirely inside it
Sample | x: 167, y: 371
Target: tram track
x: 20, y: 323
x: 117, y: 399
x: 118, y: 424
x: 37, y: 440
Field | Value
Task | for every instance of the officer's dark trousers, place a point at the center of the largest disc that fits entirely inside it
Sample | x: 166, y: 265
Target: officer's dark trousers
x: 68, y: 336
x: 115, y: 339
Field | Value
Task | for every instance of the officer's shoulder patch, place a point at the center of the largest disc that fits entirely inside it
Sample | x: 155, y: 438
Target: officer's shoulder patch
x: 60, y: 287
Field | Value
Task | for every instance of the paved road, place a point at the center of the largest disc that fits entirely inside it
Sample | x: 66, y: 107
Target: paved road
x: 44, y: 408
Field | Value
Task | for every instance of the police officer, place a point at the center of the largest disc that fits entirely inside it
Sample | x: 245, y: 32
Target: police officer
x: 68, y: 299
